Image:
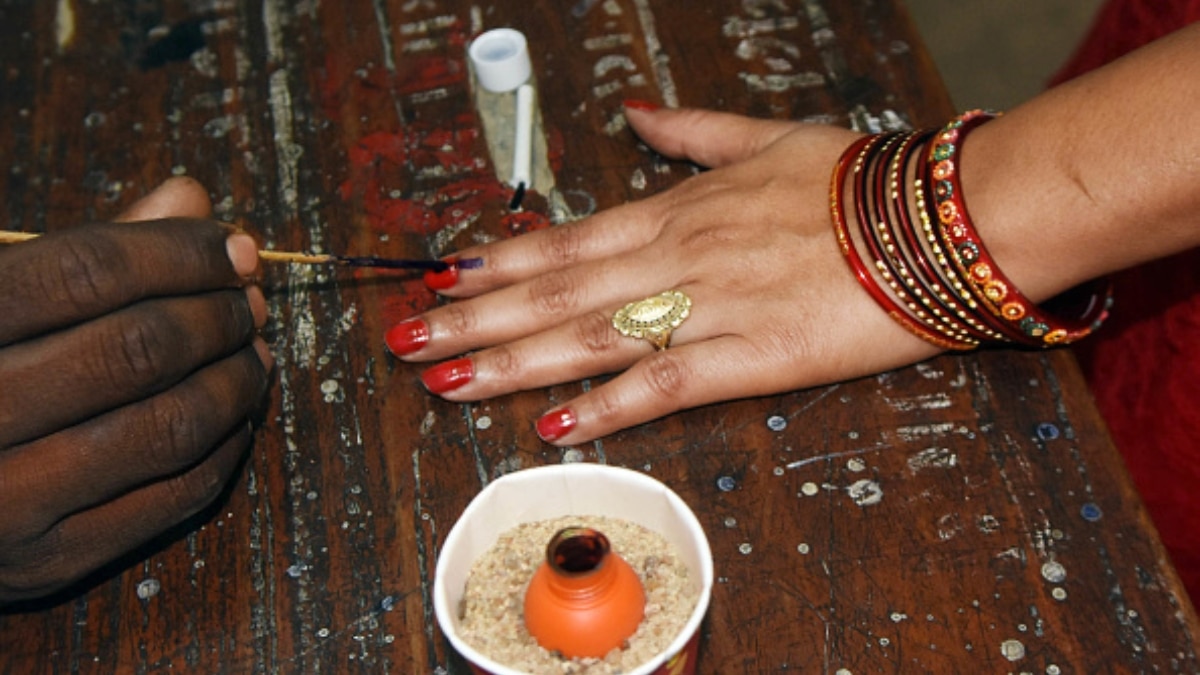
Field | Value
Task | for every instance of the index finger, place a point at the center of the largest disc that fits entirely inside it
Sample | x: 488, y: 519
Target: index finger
x: 68, y: 277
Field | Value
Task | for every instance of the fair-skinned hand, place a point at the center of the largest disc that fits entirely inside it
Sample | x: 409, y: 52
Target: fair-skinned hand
x: 775, y: 307
x: 129, y: 369
x: 1080, y: 181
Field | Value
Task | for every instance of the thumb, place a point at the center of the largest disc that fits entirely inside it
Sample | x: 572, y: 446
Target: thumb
x: 710, y: 139
x: 178, y: 197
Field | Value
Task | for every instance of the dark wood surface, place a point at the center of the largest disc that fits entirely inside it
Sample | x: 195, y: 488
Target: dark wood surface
x: 965, y: 515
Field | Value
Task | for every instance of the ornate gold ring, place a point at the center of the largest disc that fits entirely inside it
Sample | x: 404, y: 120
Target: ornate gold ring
x: 654, y: 318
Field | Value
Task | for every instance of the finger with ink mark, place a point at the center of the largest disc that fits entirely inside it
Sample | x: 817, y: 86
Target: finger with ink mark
x: 447, y: 278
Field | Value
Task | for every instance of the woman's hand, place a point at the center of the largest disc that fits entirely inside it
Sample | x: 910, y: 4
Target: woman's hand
x: 751, y: 242
x: 129, y: 368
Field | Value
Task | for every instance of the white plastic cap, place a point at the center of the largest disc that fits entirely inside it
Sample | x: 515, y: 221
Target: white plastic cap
x: 501, y: 59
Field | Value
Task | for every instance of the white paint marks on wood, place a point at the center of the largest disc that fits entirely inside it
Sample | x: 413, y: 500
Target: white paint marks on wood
x: 64, y: 25
x: 427, y: 26
x: 776, y: 82
x: 606, y: 42
x: 935, y: 401
x: 865, y: 492
x: 920, y: 432
x: 662, y: 70
x: 611, y: 62
x: 932, y: 458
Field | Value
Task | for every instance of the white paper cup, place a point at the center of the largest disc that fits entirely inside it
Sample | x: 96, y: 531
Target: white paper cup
x: 573, y: 490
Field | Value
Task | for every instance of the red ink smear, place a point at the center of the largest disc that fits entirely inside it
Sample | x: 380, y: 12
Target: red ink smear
x: 339, y: 81
x: 413, y: 300
x: 453, y: 149
x: 556, y: 149
x: 331, y: 85
x: 429, y: 172
x: 376, y: 78
x: 379, y: 146
x: 394, y: 215
x: 521, y: 222
x: 431, y: 72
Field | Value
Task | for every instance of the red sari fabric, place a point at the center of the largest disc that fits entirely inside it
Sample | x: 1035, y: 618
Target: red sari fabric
x: 1144, y: 365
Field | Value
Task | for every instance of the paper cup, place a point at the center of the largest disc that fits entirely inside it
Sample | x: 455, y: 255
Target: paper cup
x: 573, y: 490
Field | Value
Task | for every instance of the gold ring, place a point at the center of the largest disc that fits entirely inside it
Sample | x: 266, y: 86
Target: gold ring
x: 654, y: 318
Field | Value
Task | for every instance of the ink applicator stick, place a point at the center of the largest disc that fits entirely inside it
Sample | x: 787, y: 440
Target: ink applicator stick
x: 304, y: 258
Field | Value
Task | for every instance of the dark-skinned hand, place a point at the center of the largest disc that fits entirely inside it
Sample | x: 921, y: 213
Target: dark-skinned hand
x: 129, y: 371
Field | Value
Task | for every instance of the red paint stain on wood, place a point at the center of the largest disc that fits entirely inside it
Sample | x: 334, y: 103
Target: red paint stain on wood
x: 413, y: 299
x: 522, y: 222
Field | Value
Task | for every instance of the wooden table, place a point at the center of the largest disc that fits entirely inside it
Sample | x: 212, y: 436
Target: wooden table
x: 968, y: 514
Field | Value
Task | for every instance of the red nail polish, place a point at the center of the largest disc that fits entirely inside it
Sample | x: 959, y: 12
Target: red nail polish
x: 556, y: 424
x: 447, y: 376
x: 440, y: 281
x: 407, y: 337
x: 638, y: 104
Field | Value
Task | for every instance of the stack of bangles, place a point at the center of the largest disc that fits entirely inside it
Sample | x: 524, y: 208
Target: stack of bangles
x: 926, y: 267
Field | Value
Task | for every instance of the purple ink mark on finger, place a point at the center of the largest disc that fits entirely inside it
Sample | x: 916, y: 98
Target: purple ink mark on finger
x: 470, y: 263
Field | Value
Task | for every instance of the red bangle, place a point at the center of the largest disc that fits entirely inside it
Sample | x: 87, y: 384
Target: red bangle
x: 903, y: 254
x: 910, y: 244
x: 990, y: 287
x: 874, y: 222
x: 849, y: 157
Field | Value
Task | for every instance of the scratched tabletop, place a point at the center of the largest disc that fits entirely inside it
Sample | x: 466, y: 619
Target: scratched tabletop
x: 968, y: 514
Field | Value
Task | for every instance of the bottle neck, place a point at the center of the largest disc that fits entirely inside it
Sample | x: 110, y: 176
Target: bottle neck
x: 579, y: 559
x: 584, y: 588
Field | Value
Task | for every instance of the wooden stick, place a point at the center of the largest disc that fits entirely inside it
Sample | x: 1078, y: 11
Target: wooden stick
x: 15, y: 237
x: 296, y: 257
x: 302, y: 258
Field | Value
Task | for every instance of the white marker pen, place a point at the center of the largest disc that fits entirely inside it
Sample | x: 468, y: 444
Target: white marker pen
x: 501, y: 60
x: 523, y: 138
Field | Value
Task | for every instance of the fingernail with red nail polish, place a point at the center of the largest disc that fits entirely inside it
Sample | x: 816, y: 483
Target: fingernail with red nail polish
x: 440, y: 281
x: 556, y: 424
x: 447, y: 376
x: 638, y: 104
x: 407, y: 337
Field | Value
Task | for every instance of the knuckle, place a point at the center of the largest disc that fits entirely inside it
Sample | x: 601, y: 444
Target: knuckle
x: 504, y: 363
x: 175, y: 432
x: 604, y: 407
x: 138, y: 347
x: 554, y: 294
x: 561, y: 245
x: 785, y: 343
x: 86, y: 274
x: 596, y: 333
x: 459, y: 319
x: 665, y: 375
